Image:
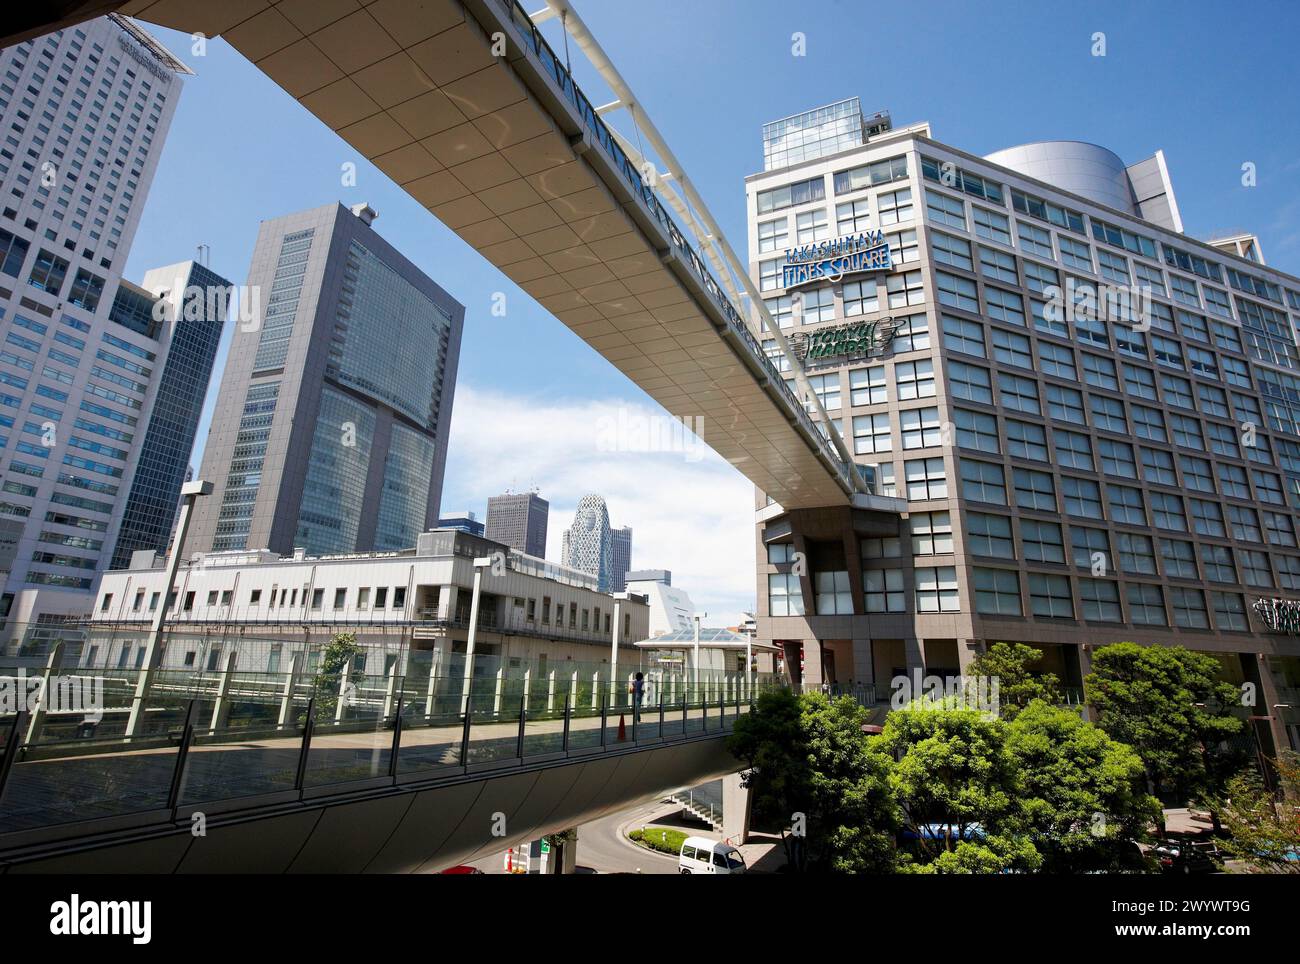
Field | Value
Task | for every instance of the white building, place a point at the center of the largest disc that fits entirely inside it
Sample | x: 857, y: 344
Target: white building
x: 84, y: 113
x: 409, y: 609
x: 671, y: 608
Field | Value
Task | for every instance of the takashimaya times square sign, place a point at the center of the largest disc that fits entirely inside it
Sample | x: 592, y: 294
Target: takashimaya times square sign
x: 832, y: 261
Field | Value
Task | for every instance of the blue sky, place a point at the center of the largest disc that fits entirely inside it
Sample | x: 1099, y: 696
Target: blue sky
x: 1214, y: 87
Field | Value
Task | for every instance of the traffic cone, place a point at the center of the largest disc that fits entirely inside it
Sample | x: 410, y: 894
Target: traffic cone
x: 622, y: 729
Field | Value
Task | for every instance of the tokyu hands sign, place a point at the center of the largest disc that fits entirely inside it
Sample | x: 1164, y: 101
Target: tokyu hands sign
x: 856, y: 338
x: 832, y: 260
x: 1279, y: 615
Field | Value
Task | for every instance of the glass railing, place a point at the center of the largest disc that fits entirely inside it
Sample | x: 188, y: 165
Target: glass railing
x: 196, y: 738
x: 642, y: 188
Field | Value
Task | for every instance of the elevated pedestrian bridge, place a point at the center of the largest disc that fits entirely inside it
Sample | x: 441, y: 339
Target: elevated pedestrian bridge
x: 317, y: 777
x: 467, y: 107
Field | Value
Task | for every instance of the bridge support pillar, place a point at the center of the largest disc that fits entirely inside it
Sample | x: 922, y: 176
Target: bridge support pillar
x: 221, y: 705
x: 290, y: 684
x: 864, y: 670
x: 1266, y: 719
x: 812, y: 666
x: 735, y: 810
x: 341, y: 703
x: 41, y: 709
x: 792, y: 653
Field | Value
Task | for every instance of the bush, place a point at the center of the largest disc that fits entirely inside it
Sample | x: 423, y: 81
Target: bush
x: 660, y: 839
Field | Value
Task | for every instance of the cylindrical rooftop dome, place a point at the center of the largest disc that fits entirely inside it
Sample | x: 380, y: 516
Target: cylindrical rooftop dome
x: 1084, y: 169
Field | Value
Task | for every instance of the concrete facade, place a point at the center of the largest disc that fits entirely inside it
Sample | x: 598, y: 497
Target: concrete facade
x: 1072, y: 480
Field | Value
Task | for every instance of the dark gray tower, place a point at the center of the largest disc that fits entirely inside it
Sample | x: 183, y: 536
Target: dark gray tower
x: 330, y: 432
x: 519, y: 521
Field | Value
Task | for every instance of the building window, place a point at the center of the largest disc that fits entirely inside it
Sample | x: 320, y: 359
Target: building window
x: 1189, y: 608
x: 1034, y: 490
x: 867, y: 386
x: 832, y: 593
x: 1146, y: 605
x: 1042, y: 541
x: 983, y: 482
x: 1100, y: 600
x: 871, y: 433
x: 914, y: 379
x: 1178, y: 559
x: 919, y: 428
x: 977, y: 430
x: 784, y: 597
x: 925, y: 479
x: 1229, y: 612
x: 997, y: 592
x: 931, y: 533
x: 936, y: 590
x: 989, y: 535
x: 1049, y: 596
x: 884, y: 590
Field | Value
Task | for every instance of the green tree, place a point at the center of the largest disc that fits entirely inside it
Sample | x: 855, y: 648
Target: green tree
x: 1169, y: 705
x: 958, y: 790
x: 1084, y: 794
x: 341, y: 651
x: 1011, y: 664
x: 811, y: 768
x: 1265, y: 825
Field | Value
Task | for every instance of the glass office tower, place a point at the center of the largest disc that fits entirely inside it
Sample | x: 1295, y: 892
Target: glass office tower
x: 330, y: 431
x: 195, y: 300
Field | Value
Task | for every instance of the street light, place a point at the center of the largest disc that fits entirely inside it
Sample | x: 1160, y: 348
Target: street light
x: 190, y: 493
x: 481, y: 563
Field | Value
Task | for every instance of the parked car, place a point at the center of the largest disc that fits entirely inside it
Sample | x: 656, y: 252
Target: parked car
x: 700, y: 855
x: 462, y: 869
x: 1177, y: 855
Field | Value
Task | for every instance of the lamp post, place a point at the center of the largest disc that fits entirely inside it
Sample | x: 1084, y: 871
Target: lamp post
x: 613, y: 650
x: 190, y: 493
x: 481, y: 563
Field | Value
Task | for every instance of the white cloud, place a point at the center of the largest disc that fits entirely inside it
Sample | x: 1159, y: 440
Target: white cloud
x: 689, y: 510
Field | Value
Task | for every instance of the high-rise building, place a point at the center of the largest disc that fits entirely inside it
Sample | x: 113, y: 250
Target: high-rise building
x: 590, y: 545
x: 462, y: 520
x: 586, y: 543
x: 195, y: 300
x: 330, y: 430
x: 620, y: 558
x: 1093, y: 417
x: 519, y: 520
x: 85, y: 111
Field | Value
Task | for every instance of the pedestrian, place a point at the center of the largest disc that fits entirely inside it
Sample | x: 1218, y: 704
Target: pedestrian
x: 638, y: 689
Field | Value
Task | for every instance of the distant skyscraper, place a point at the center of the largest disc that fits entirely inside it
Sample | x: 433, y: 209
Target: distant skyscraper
x: 465, y: 521
x: 85, y: 112
x: 195, y: 301
x: 620, y: 558
x: 330, y: 431
x: 590, y: 545
x: 519, y: 521
x: 586, y: 543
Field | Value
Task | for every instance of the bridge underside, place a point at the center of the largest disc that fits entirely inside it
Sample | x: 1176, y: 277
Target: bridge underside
x: 406, y: 829
x: 496, y: 149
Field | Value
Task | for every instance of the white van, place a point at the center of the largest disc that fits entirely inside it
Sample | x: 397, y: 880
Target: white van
x: 700, y: 855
